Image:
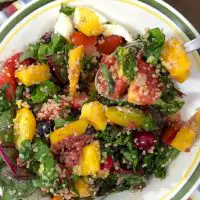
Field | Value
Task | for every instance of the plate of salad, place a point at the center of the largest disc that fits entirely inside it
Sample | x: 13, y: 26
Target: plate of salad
x: 98, y: 100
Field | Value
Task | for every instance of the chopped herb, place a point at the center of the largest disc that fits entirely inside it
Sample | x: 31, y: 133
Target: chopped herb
x: 41, y: 51
x: 43, y: 91
x: 149, y: 123
x: 44, y: 51
x: 60, y: 122
x: 169, y: 108
x: 32, y: 52
x: 66, y: 9
x: 19, y: 92
x: 154, y: 41
x: 126, y: 58
x: 75, y: 177
x: 108, y: 78
x: 25, y: 151
x: 7, y: 114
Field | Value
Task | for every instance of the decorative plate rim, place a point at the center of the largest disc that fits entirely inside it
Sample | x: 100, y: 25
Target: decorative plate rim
x: 159, y: 5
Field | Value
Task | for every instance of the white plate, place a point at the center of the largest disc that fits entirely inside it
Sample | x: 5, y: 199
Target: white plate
x: 40, y: 16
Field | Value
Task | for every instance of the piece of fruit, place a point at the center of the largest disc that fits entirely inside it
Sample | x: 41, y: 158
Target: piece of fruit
x: 33, y: 74
x: 170, y: 132
x: 89, y: 163
x: 89, y: 43
x: 88, y: 21
x: 75, y: 128
x: 108, y: 44
x: 106, y: 75
x: 116, y: 29
x: 120, y: 87
x: 144, y: 140
x: 125, y: 117
x: 94, y: 112
x: 83, y: 188
x: 44, y: 128
x: 24, y: 126
x: 176, y: 60
x: 108, y: 163
x: 75, y: 57
x: 146, y: 87
x: 64, y: 26
x: 187, y: 134
x: 7, y: 75
x: 56, y: 198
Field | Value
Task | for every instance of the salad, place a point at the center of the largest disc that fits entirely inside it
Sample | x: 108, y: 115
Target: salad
x: 89, y: 110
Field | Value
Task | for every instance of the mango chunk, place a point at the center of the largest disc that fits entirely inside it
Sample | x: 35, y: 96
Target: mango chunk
x: 75, y: 57
x: 83, y: 188
x: 24, y: 126
x: 187, y: 134
x: 89, y: 163
x: 125, y: 117
x: 75, y: 128
x: 175, y: 60
x: 94, y: 112
x: 87, y: 21
x: 33, y: 74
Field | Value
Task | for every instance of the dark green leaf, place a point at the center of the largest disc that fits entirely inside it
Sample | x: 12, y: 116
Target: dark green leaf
x: 165, y: 155
x: 14, y: 188
x: 32, y: 52
x: 60, y: 122
x: 66, y: 9
x: 153, y: 45
x: 133, y: 180
x: 4, y: 103
x: 43, y: 91
x: 88, y: 65
x: 47, y: 169
x: 169, y: 91
x: 19, y: 92
x: 6, y: 121
x: 44, y: 51
x: 106, y: 185
x: 161, y: 173
x: 169, y: 108
x: 131, y: 156
x: 108, y: 77
x: 148, y: 164
x: 25, y: 151
x: 149, y: 123
x: 57, y: 42
x: 58, y: 63
x: 75, y: 177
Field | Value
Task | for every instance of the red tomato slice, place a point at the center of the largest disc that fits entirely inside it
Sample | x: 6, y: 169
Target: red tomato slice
x: 89, y: 43
x: 171, y: 131
x: 8, y: 73
x: 78, y: 100
x: 146, y: 88
x: 120, y: 87
x: 109, y: 60
x: 108, y: 44
x: 112, y: 65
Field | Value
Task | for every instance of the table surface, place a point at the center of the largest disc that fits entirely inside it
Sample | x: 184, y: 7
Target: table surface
x: 189, y: 8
